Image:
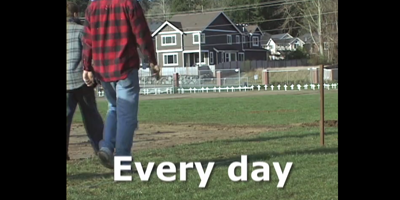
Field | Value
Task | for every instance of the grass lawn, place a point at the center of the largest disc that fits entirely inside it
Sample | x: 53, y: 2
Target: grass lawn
x: 253, y: 110
x: 313, y: 176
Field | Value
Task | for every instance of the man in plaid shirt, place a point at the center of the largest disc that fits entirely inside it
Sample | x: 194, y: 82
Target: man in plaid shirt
x: 78, y: 93
x: 113, y: 31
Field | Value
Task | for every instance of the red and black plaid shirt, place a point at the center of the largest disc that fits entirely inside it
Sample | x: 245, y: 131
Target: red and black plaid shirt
x: 113, y: 31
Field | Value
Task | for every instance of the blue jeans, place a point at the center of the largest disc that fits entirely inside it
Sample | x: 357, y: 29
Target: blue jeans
x: 122, y: 115
x: 92, y: 120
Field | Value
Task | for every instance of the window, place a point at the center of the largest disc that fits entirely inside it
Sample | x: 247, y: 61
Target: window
x: 238, y: 39
x: 170, y: 59
x: 203, y: 38
x: 255, y: 41
x: 211, y: 57
x: 229, y: 39
x: 196, y: 38
x: 168, y: 40
x: 227, y: 57
x: 233, y: 57
x: 240, y: 56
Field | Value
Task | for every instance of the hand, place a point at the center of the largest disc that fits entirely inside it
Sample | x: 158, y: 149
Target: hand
x: 155, y: 70
x: 88, y: 78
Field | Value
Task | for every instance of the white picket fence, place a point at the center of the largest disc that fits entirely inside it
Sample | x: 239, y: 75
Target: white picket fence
x: 156, y: 91
x: 258, y: 87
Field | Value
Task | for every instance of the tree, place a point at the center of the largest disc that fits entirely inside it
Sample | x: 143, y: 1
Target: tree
x: 190, y: 5
x: 316, y: 17
x: 159, y: 10
x: 300, y: 53
x: 145, y: 4
x: 82, y: 4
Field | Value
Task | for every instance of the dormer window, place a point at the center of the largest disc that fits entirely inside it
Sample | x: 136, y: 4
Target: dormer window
x: 255, y: 41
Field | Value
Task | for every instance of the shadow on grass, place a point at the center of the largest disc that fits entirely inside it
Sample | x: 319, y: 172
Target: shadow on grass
x: 265, y: 138
x: 219, y: 162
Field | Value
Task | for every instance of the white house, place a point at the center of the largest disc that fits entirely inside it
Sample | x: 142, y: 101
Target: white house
x: 281, y: 42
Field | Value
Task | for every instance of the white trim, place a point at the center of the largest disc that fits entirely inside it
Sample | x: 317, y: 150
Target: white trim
x: 241, y: 53
x: 162, y: 26
x: 216, y: 50
x: 237, y: 40
x: 201, y: 37
x: 286, y: 34
x: 169, y: 32
x: 169, y: 50
x: 170, y: 54
x: 192, y: 31
x: 297, y: 39
x: 269, y: 41
x: 165, y: 36
x: 219, y: 30
x: 198, y: 35
x: 210, y: 57
x: 227, y: 40
x: 156, y: 48
x: 252, y: 41
x: 190, y: 51
x: 234, y: 25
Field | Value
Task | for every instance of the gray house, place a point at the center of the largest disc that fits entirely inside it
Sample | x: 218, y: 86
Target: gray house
x: 208, y: 38
x: 251, y: 40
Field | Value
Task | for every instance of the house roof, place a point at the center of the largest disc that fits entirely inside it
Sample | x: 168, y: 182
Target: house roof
x: 252, y: 28
x: 278, y: 36
x: 245, y: 28
x: 242, y: 27
x: 284, y: 42
x: 194, y: 21
x: 307, y: 38
x: 153, y: 26
x: 265, y: 38
x: 198, y: 21
x: 175, y: 25
x: 228, y: 48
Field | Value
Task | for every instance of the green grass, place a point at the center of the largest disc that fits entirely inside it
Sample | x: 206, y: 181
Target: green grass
x: 314, y: 174
x: 254, y: 110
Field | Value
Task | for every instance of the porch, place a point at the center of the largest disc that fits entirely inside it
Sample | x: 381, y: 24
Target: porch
x: 195, y: 58
x: 223, y: 56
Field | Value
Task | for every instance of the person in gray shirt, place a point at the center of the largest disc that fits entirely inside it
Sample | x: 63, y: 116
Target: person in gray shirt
x: 79, y: 91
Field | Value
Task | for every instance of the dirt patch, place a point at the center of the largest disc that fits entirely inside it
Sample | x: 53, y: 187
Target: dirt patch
x: 327, y: 123
x: 150, y: 136
x: 272, y: 111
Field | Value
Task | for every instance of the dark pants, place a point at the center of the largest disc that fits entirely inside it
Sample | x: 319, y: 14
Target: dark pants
x: 92, y: 120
